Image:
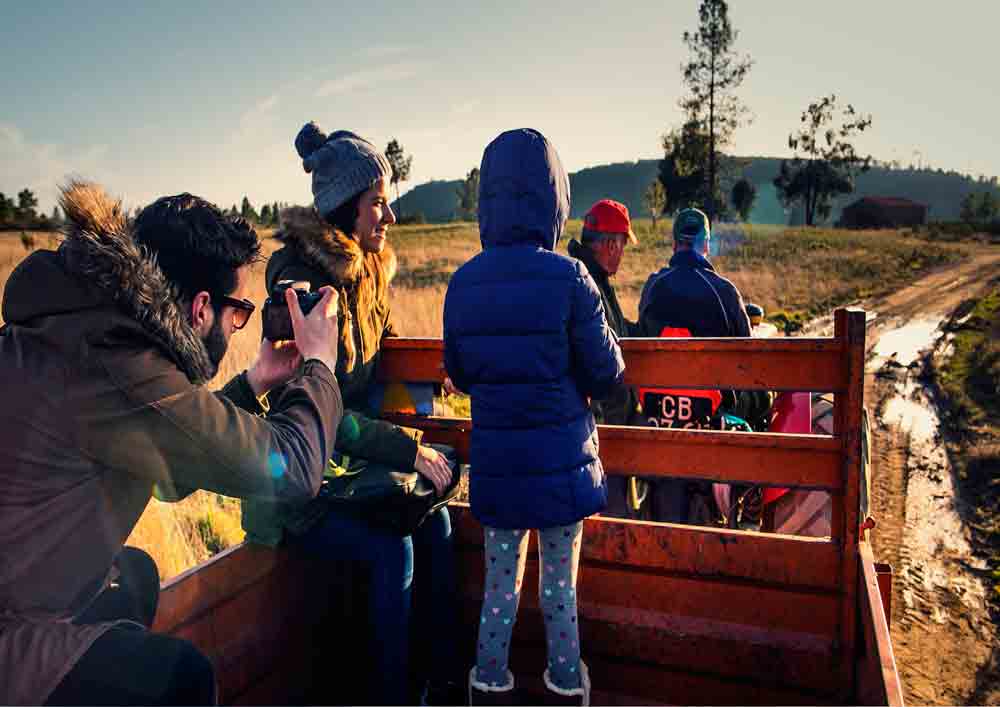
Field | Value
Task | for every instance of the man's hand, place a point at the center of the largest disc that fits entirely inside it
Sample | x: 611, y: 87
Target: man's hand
x: 432, y: 465
x: 316, y: 335
x: 276, y: 363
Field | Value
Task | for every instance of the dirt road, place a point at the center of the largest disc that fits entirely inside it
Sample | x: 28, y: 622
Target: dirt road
x: 941, y: 628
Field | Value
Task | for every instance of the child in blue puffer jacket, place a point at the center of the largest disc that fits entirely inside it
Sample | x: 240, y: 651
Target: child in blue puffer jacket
x: 526, y: 336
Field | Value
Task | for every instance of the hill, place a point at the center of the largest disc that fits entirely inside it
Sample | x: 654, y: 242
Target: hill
x: 626, y: 181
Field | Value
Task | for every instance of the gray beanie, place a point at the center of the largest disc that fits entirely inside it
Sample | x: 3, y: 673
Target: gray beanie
x: 342, y: 165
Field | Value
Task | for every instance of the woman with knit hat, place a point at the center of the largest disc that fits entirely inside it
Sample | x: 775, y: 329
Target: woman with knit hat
x: 342, y: 242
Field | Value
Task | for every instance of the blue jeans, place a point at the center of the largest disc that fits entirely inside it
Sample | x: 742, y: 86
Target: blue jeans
x: 390, y: 560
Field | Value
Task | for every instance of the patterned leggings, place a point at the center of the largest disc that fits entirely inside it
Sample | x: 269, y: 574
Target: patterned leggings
x: 559, y: 558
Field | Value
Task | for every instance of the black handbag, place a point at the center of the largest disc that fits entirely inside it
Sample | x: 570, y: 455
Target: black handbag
x: 387, y: 497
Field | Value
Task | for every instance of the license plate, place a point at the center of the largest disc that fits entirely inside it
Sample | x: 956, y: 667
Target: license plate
x: 677, y: 411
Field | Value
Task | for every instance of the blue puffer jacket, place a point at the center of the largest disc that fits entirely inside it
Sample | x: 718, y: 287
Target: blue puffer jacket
x: 525, y: 335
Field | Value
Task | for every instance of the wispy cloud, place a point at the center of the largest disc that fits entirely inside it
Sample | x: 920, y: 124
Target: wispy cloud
x: 42, y: 167
x: 368, y: 78
x: 255, y: 120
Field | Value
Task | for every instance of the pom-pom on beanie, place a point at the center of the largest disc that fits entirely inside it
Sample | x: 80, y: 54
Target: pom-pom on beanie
x: 342, y: 165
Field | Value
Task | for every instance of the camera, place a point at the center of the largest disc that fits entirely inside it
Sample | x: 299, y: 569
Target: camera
x: 277, y: 320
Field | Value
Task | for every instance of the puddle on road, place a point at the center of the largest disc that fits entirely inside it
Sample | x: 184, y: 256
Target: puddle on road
x: 907, y: 343
x: 911, y: 411
x: 936, y: 543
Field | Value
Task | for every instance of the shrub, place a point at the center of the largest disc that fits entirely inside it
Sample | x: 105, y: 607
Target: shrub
x: 209, y: 535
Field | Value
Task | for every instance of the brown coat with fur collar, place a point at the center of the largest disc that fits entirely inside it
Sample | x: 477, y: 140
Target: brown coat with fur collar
x: 100, y: 372
x: 316, y: 252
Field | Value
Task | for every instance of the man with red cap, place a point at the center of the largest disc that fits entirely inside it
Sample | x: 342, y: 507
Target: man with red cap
x: 607, y: 230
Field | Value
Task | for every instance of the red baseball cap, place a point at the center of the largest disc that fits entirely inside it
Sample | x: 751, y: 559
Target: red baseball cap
x: 609, y: 216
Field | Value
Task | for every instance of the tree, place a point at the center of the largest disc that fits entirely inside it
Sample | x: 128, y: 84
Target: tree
x: 275, y: 214
x: 247, y: 211
x: 26, y: 204
x: 828, y: 163
x: 400, y: 166
x: 967, y: 211
x: 979, y: 208
x: 743, y: 196
x: 56, y: 215
x: 683, y: 172
x: 988, y: 208
x: 265, y: 215
x: 655, y: 198
x: 712, y: 75
x: 468, y: 196
x: 7, y: 208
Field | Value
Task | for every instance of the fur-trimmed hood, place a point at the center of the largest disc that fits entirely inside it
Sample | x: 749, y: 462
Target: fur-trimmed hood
x: 315, y: 251
x: 327, y: 249
x: 105, y: 265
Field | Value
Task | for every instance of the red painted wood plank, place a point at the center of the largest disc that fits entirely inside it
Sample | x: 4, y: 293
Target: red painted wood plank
x: 209, y: 584
x: 683, y: 644
x: 746, y: 604
x: 746, y: 364
x: 877, y: 675
x: 807, y: 563
x: 848, y: 409
x: 806, y: 461
x: 652, y: 683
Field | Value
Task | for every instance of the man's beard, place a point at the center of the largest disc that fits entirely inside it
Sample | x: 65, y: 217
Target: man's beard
x: 216, y: 344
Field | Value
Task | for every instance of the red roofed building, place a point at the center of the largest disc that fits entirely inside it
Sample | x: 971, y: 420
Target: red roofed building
x: 883, y: 212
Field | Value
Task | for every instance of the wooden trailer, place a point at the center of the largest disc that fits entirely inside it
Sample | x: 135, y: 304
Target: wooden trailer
x: 669, y: 614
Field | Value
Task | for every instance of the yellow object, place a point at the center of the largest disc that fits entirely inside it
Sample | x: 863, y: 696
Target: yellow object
x: 333, y: 469
x: 398, y: 399
x: 637, y: 491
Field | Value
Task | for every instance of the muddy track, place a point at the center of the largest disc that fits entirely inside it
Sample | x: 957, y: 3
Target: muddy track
x: 941, y: 629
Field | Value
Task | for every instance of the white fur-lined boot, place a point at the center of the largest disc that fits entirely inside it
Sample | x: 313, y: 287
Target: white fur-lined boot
x: 481, y: 693
x: 577, y: 696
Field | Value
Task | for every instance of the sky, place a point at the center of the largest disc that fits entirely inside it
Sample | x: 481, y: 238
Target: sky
x: 161, y: 98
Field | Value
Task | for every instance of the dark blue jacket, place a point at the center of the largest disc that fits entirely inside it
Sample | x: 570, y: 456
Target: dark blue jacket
x: 525, y: 335
x: 689, y: 294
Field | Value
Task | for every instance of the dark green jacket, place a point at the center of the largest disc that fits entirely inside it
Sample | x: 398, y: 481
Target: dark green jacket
x: 102, y: 378
x: 316, y: 253
x: 622, y: 406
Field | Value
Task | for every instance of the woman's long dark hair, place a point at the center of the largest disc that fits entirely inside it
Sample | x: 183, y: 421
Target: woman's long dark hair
x: 345, y: 216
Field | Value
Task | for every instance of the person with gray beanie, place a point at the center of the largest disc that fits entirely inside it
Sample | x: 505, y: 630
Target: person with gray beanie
x: 341, y: 241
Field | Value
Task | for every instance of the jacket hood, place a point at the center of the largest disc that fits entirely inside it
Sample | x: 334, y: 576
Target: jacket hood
x: 523, y: 191
x: 690, y: 259
x: 585, y: 255
x: 326, y: 248
x: 359, y: 277
x: 99, y: 264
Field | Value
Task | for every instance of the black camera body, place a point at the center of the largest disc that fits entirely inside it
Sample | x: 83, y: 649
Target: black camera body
x: 277, y: 320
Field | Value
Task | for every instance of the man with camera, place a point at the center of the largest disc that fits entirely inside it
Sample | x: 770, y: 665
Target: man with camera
x: 106, y: 347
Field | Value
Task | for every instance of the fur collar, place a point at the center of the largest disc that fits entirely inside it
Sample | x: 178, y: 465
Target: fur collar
x: 328, y: 249
x: 98, y: 248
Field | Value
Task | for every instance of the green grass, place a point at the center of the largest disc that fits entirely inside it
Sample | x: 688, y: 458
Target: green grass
x: 794, y: 273
x: 971, y: 375
x: 969, y: 380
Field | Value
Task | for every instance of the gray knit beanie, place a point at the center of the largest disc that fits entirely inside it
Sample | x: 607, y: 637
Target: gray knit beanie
x: 342, y: 165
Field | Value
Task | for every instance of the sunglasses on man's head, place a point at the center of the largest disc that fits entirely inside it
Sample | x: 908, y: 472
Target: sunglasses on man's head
x: 244, y: 309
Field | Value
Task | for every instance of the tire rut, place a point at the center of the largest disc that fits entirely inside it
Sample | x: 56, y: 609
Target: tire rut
x: 941, y: 631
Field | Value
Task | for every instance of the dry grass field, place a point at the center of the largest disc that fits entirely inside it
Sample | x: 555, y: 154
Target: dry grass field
x: 793, y: 273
